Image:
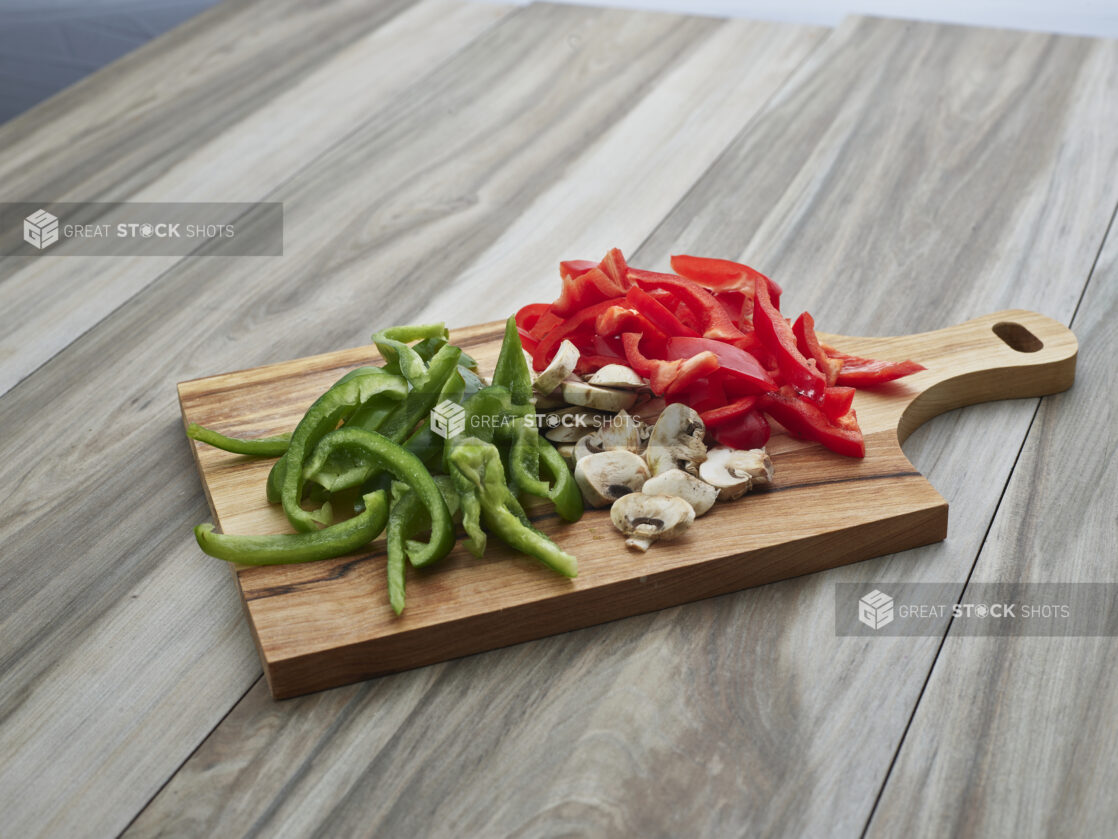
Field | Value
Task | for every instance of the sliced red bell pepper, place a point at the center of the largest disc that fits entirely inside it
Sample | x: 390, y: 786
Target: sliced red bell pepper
x: 837, y: 401
x: 586, y: 289
x: 582, y: 320
x: 526, y: 340
x: 723, y: 274
x: 618, y: 319
x: 866, y: 372
x: 731, y: 410
x: 658, y: 314
x: 713, y: 319
x: 703, y: 395
x: 529, y: 315
x: 746, y: 431
x: 736, y: 362
x: 808, y: 345
x: 807, y: 420
x: 778, y: 338
x: 576, y: 267
x: 667, y: 377
x: 615, y: 267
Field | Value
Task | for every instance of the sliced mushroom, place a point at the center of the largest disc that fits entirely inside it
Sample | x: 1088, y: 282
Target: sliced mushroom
x: 645, y: 518
x: 677, y: 441
x: 562, y: 365
x: 606, y: 476
x: 569, y: 425
x: 619, y: 376
x: 699, y: 494
x: 599, y: 398
x: 736, y: 471
x: 620, y: 432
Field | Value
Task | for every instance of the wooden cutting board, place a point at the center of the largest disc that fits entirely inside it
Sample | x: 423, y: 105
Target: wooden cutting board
x: 328, y: 623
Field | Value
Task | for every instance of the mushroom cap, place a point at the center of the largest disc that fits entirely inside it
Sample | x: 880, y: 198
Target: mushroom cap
x: 561, y: 366
x: 599, y: 398
x: 619, y: 376
x: 606, y: 476
x: 736, y: 471
x: 645, y: 518
x: 676, y: 441
x: 699, y: 494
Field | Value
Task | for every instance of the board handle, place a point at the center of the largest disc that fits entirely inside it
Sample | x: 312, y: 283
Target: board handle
x: 1011, y: 354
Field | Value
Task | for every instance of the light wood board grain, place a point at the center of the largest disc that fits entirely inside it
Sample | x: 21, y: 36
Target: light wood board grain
x: 427, y: 185
x: 911, y: 175
x: 1016, y: 736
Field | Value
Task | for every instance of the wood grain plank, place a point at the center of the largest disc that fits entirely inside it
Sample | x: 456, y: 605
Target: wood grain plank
x: 935, y: 170
x: 200, y: 139
x: 1016, y: 736
x: 421, y: 191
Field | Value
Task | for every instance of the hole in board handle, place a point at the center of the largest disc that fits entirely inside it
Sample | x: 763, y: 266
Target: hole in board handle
x: 1017, y: 337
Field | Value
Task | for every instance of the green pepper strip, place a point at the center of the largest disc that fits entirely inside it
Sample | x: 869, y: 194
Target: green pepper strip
x: 393, y: 345
x: 336, y: 404
x: 379, y: 450
x: 563, y: 491
x: 336, y: 540
x: 259, y: 447
x: 512, y: 371
x: 476, y: 467
x: 403, y: 522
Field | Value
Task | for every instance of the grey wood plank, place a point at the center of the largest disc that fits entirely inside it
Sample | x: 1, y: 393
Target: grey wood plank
x: 1016, y: 736
x: 306, y: 83
x: 888, y: 187
x: 417, y: 193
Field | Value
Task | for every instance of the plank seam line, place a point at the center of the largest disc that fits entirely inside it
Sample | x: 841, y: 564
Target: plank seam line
x: 201, y: 742
x: 981, y: 547
x: 155, y: 282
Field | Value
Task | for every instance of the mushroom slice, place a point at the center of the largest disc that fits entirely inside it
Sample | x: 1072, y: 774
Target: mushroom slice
x: 606, y: 476
x: 599, y: 398
x: 699, y: 494
x: 569, y: 425
x: 619, y: 376
x: 677, y: 441
x: 620, y: 432
x: 562, y: 364
x: 645, y: 518
x: 735, y: 471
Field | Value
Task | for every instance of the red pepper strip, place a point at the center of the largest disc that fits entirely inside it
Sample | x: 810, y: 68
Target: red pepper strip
x: 865, y: 372
x: 583, y: 320
x: 548, y: 321
x: 837, y: 401
x: 526, y: 339
x: 667, y: 377
x: 808, y: 344
x: 748, y: 431
x: 579, y: 292
x: 617, y: 320
x: 615, y: 267
x: 738, y: 305
x: 719, y: 416
x: 589, y: 362
x: 807, y: 420
x: 735, y: 362
x: 656, y: 312
x: 778, y: 338
x: 574, y: 268
x: 722, y: 274
x: 703, y: 395
x: 529, y: 315
x: 715, y: 321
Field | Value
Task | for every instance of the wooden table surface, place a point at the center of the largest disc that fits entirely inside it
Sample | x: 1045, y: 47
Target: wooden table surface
x: 435, y: 159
